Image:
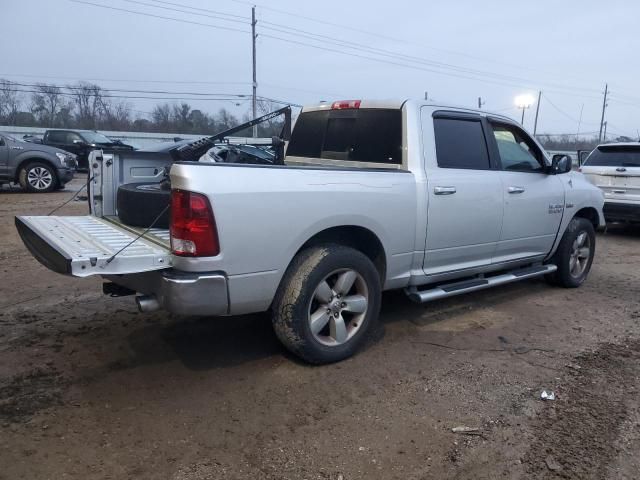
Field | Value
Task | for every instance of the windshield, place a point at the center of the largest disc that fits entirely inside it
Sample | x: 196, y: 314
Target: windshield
x: 628, y: 156
x: 95, y: 137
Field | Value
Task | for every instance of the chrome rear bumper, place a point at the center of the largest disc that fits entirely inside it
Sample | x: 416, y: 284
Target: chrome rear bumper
x: 183, y: 293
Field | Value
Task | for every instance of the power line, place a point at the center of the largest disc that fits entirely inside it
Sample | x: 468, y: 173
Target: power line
x: 133, y: 97
x: 352, y: 28
x: 84, y: 88
x: 243, y: 17
x: 220, y: 27
x: 562, y: 112
x: 347, y: 44
x: 120, y: 80
x: 218, y: 17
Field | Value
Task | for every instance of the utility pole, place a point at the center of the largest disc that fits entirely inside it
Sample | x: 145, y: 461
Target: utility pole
x: 604, y: 107
x: 426, y: 95
x: 480, y: 103
x: 254, y: 100
x: 535, y: 123
x: 579, y: 123
x: 605, y: 132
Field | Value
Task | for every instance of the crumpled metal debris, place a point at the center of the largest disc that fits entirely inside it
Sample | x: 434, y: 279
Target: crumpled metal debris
x: 547, y: 395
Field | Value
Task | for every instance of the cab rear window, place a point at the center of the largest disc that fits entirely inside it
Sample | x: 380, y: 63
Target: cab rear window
x: 361, y: 135
x: 614, y: 156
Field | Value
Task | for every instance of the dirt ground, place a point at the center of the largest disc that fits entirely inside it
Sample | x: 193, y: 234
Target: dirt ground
x: 92, y: 389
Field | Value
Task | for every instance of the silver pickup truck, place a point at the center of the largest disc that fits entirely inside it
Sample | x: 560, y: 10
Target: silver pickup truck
x: 373, y: 196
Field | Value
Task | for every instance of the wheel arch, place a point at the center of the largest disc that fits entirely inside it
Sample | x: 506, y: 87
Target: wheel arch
x: 590, y: 214
x: 28, y: 159
x: 354, y: 236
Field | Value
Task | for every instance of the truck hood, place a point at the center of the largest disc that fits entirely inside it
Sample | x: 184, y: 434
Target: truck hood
x: 37, y: 147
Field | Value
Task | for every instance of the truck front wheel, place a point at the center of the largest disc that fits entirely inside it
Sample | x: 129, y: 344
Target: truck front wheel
x: 38, y: 177
x: 575, y: 254
x: 327, y: 304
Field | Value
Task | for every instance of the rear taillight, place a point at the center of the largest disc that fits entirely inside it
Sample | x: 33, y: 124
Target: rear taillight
x: 345, y: 104
x: 193, y: 227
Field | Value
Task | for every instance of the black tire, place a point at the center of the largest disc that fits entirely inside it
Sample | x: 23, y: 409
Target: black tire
x: 566, y: 255
x: 296, y: 298
x: 139, y: 204
x: 38, y: 177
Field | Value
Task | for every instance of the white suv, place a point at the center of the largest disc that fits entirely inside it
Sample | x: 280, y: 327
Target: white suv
x: 615, y: 168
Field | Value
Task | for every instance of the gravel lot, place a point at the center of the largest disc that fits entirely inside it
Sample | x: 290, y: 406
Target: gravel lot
x: 92, y: 389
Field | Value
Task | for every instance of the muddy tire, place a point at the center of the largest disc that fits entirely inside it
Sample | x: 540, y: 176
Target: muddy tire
x: 38, y: 177
x: 574, y: 255
x: 328, y: 303
x: 139, y: 204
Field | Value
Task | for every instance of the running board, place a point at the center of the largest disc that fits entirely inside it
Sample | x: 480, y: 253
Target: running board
x: 466, y: 286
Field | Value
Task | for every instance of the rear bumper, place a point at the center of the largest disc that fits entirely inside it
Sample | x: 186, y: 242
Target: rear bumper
x: 194, y: 294
x: 621, y: 212
x: 179, y: 292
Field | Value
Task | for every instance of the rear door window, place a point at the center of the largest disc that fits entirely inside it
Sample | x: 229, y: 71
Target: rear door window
x: 361, y: 135
x: 614, y: 156
x: 460, y: 143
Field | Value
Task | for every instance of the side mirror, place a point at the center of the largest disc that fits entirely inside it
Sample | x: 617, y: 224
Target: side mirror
x: 561, y: 164
x: 79, y: 143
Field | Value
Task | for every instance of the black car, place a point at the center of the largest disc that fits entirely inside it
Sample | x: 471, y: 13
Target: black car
x: 80, y: 143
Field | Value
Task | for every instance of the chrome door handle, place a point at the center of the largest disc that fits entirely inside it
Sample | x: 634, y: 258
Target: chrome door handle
x: 515, y: 189
x: 444, y: 190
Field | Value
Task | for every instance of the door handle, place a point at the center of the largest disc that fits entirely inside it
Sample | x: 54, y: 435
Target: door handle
x: 444, y: 190
x: 515, y: 189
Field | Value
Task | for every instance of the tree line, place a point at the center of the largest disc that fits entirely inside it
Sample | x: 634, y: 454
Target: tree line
x: 88, y: 106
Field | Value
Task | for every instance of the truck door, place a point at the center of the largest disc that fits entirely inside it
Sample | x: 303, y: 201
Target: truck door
x: 55, y: 138
x: 464, y: 213
x: 533, y: 199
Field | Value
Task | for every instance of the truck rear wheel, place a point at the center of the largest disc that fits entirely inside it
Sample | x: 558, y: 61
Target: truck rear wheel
x: 38, y: 177
x: 328, y: 303
x: 575, y: 254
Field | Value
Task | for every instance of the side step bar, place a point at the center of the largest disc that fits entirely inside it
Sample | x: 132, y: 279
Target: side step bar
x: 466, y: 286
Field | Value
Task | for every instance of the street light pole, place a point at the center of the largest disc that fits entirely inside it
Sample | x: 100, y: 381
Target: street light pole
x: 524, y: 102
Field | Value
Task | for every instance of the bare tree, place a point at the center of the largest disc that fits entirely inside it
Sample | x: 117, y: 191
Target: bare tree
x: 161, y: 117
x: 89, y: 100
x: 225, y: 120
x: 46, y: 104
x: 180, y: 117
x: 273, y: 126
x: 10, y: 101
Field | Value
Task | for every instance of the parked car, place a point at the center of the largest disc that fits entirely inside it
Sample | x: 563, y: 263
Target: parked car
x: 80, y: 143
x: 37, y: 168
x: 615, y: 169
x: 373, y: 196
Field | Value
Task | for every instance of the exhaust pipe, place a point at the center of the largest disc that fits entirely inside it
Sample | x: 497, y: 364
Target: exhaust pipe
x: 147, y: 303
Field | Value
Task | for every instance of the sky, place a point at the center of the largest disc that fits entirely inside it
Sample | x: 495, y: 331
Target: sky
x: 307, y: 51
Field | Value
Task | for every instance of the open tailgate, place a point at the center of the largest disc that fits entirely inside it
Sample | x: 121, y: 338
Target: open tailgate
x: 82, y: 246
